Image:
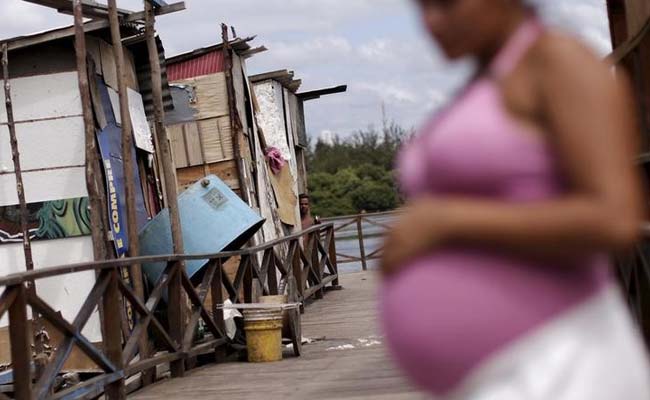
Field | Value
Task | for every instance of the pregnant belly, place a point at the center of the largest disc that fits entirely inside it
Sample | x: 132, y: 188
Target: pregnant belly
x: 446, y: 312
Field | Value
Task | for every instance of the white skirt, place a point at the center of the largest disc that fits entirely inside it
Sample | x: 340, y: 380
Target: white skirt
x: 592, y: 352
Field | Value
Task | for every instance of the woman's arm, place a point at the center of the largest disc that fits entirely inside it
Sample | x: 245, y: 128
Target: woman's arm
x: 592, y: 121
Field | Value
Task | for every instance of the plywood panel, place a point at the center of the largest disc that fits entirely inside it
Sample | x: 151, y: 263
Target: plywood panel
x: 64, y: 293
x: 131, y: 75
x: 43, y: 96
x: 283, y: 187
x: 225, y: 170
x: 46, y: 185
x: 109, y: 70
x: 297, y: 120
x: 45, y: 144
x: 77, y: 362
x: 271, y: 116
x: 211, y: 95
x: 115, y: 104
x: 217, y: 139
x: 240, y: 90
x: 293, y: 165
x: 175, y: 133
x: 302, y: 170
x: 93, y: 49
x: 193, y: 144
x: 266, y: 197
x: 141, y: 129
x: 42, y: 59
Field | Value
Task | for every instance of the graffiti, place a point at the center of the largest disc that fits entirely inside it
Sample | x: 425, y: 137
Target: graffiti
x: 47, y: 220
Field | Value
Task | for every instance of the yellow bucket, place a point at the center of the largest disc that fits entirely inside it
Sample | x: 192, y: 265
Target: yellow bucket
x: 263, y: 335
x: 278, y: 300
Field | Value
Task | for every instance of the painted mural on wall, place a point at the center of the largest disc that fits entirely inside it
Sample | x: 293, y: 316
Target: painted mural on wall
x: 54, y: 219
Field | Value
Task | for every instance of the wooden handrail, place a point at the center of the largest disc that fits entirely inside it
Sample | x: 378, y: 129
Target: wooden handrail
x: 357, y: 221
x: 377, y: 214
x: 16, y: 278
x: 305, y: 264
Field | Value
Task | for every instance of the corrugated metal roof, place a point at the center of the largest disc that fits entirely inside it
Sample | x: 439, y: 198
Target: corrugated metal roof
x: 206, y: 64
x: 138, y: 47
x: 206, y: 60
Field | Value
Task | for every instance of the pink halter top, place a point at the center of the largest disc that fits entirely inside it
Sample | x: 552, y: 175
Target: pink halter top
x: 453, y: 308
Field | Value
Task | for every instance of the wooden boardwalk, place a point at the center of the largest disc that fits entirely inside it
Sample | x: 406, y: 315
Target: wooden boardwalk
x: 328, y: 369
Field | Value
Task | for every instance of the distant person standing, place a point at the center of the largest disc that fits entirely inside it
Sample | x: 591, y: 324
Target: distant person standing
x: 306, y: 219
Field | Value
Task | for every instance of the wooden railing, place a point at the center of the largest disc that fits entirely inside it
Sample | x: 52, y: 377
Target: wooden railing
x: 357, y: 222
x: 634, y: 275
x: 304, y: 264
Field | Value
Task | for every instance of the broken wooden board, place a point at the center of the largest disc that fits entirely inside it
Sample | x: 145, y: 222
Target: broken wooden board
x: 283, y: 184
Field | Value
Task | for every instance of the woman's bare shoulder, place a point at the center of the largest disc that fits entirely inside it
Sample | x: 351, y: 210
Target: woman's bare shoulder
x: 561, y: 59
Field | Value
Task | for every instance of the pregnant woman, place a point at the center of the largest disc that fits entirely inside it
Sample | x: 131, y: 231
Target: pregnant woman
x: 497, y: 279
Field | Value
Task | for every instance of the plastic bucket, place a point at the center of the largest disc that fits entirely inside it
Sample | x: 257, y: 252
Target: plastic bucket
x: 263, y: 335
x: 279, y: 299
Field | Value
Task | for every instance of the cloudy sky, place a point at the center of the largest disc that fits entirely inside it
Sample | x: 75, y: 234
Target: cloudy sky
x: 377, y: 47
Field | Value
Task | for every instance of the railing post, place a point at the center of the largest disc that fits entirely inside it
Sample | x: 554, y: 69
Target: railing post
x: 362, y: 248
x: 216, y: 292
x: 175, y: 314
x: 315, y: 264
x: 332, y: 254
x: 21, y: 353
x: 298, y: 273
x: 248, y: 279
x: 111, y: 319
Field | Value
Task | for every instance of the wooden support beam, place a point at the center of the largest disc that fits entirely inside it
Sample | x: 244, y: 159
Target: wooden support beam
x: 129, y: 164
x: 20, y: 190
x: 235, y: 122
x: 31, y: 40
x: 164, y: 150
x: 15, y: 154
x: 90, y: 8
x: 97, y: 228
x: 21, y: 354
x: 177, y: 309
x: 112, y: 340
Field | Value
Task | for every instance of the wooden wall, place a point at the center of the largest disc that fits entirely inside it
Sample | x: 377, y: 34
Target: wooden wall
x: 50, y: 133
x: 51, y: 141
x: 638, y: 12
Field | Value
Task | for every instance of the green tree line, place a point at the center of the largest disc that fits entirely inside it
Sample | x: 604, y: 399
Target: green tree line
x: 353, y: 175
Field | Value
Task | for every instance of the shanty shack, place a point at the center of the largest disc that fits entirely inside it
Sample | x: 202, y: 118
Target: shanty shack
x: 49, y: 125
x: 248, y: 131
x: 280, y: 116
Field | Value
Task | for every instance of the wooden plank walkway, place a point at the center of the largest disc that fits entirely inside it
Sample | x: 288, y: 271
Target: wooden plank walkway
x: 328, y: 369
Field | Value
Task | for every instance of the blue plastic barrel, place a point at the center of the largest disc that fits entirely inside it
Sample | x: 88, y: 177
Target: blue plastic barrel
x: 213, y: 219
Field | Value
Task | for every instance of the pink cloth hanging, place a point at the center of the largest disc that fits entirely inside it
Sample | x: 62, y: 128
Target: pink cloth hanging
x: 275, y: 160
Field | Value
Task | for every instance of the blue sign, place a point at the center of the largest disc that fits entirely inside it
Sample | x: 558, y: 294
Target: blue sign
x: 110, y: 147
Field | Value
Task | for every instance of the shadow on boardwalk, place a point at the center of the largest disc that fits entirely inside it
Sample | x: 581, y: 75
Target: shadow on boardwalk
x: 329, y: 369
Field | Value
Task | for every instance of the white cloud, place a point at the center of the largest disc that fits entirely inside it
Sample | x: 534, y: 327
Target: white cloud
x: 308, y: 52
x: 387, y: 92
